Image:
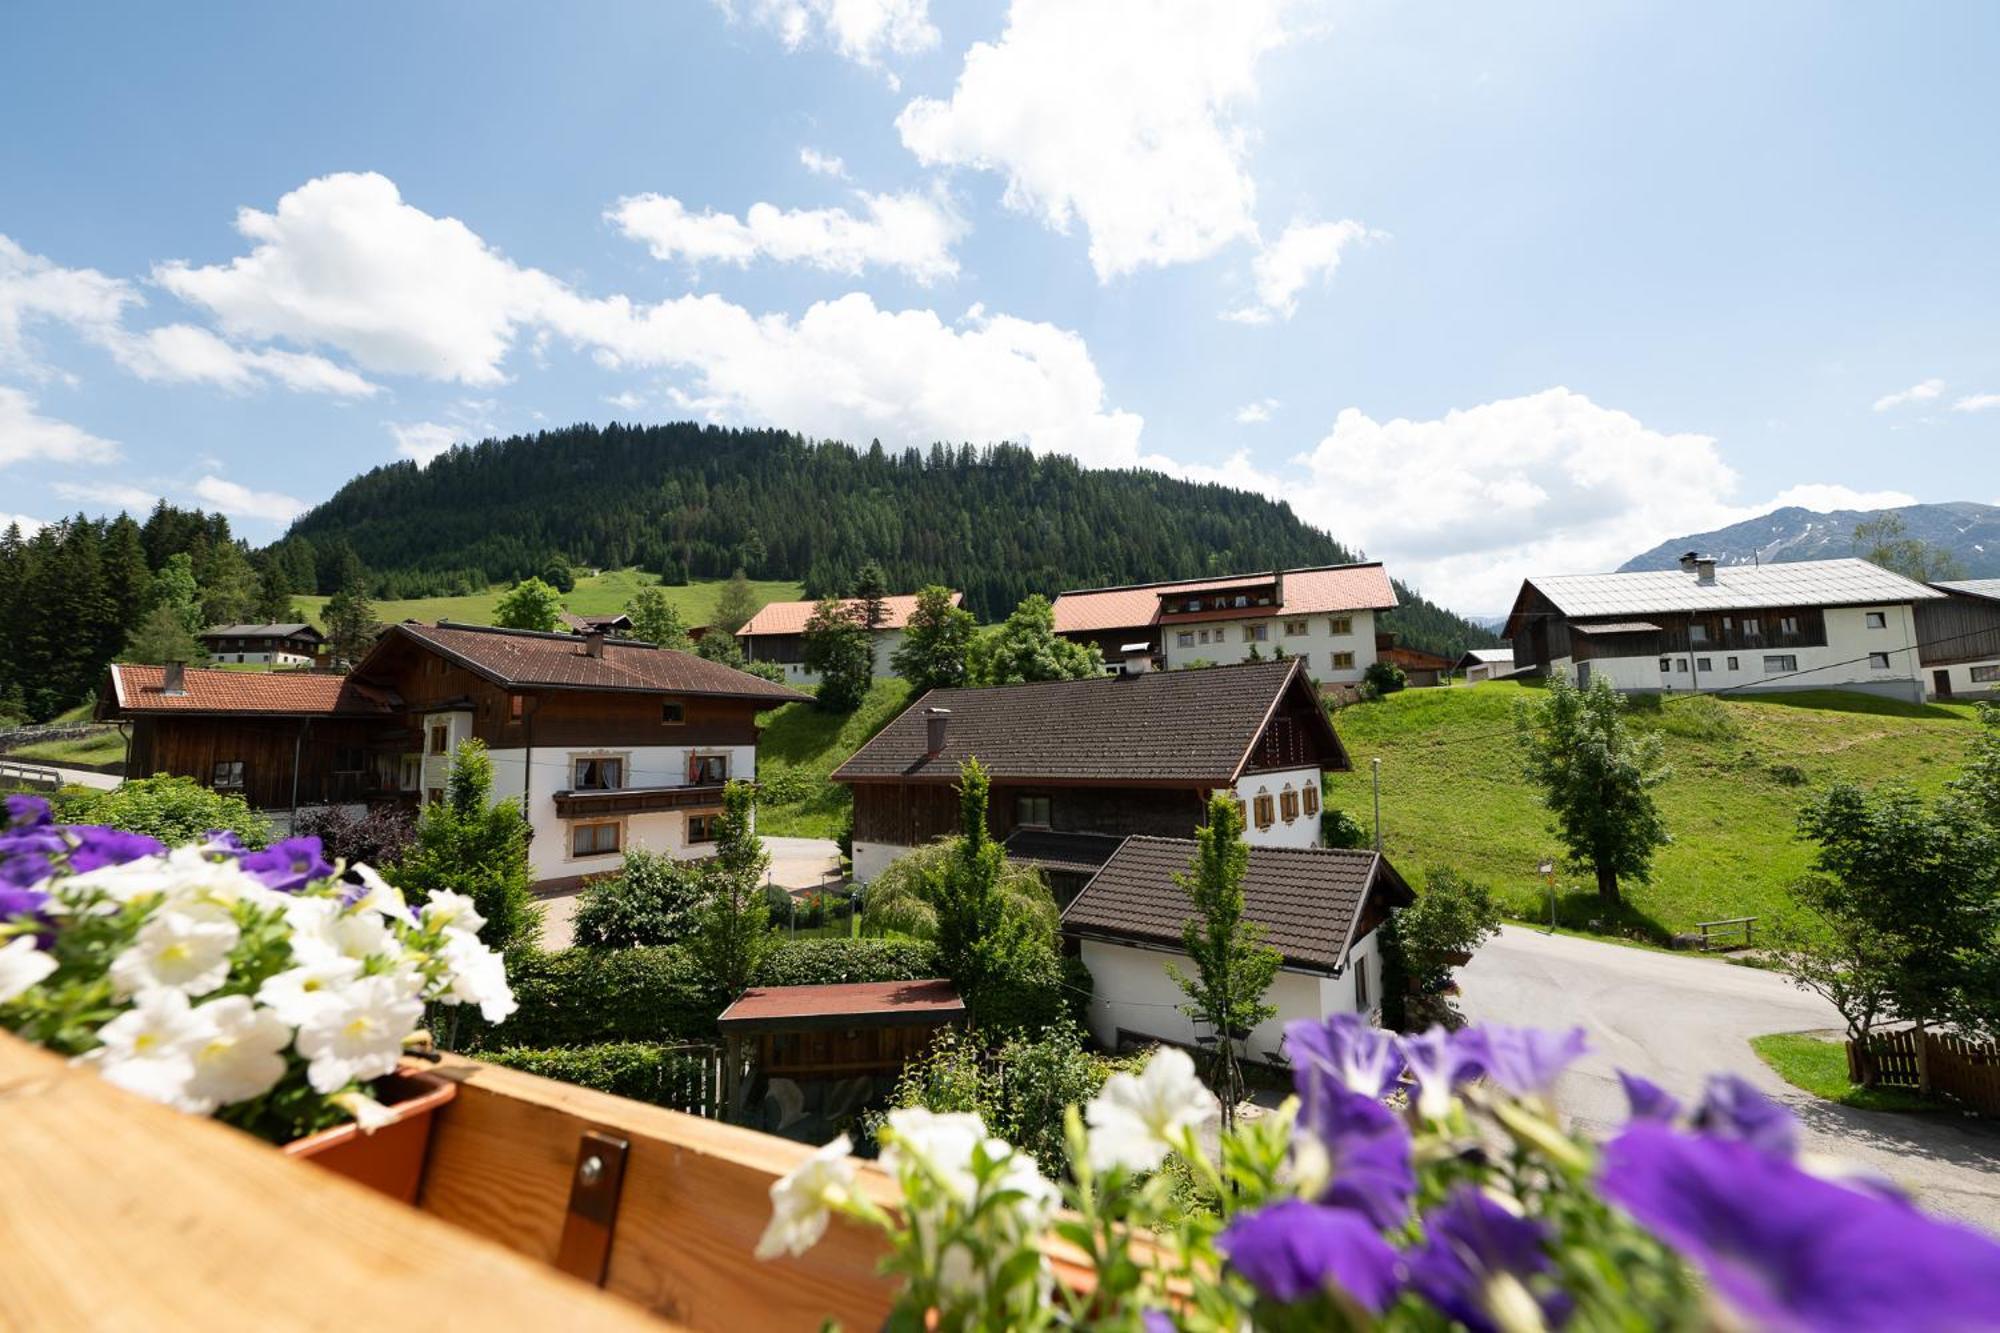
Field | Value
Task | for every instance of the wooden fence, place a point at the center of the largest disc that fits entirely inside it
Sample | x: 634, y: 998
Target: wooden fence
x: 1933, y: 1062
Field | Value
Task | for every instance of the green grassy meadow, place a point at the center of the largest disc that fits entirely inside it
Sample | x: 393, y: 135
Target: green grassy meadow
x: 103, y: 747
x: 800, y: 746
x: 594, y: 595
x: 1452, y: 793
x: 1820, y: 1067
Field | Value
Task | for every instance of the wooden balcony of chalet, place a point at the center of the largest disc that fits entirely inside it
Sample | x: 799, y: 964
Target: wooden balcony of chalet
x: 116, y: 1212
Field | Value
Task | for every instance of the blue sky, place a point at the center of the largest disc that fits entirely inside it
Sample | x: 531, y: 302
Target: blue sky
x: 1487, y: 290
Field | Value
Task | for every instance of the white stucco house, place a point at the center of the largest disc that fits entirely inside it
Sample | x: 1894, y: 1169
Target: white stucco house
x: 277, y: 645
x: 777, y: 634
x: 1319, y: 908
x: 1801, y: 625
x: 1324, y: 616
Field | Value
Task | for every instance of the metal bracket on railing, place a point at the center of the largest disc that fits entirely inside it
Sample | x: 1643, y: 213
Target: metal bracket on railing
x: 585, y: 1250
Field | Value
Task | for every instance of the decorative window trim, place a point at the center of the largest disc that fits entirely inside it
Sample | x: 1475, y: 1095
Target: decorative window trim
x: 570, y: 853
x: 696, y: 758
x: 1266, y: 810
x: 1309, y: 795
x: 707, y: 819
x: 623, y: 758
x: 1288, y: 805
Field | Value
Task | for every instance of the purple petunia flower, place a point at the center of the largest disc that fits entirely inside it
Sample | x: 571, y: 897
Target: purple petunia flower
x: 223, y: 842
x: 1440, y: 1061
x: 1525, y: 1061
x: 1367, y: 1147
x: 1294, y: 1250
x: 17, y: 904
x: 1469, y: 1242
x: 1362, y: 1056
x: 29, y: 856
x: 95, y: 846
x: 1647, y: 1100
x: 1732, y: 1109
x: 27, y: 812
x: 1791, y: 1251
x: 1156, y: 1321
x: 287, y: 866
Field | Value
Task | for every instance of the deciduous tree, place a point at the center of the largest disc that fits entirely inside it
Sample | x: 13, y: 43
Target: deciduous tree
x: 734, y: 605
x: 529, y: 604
x: 1026, y: 648
x: 656, y: 620
x: 734, y: 926
x: 936, y: 641
x: 840, y: 649
x: 1596, y: 777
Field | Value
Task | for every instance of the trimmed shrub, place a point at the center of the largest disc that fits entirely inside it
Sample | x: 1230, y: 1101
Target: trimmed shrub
x: 1337, y: 828
x: 828, y: 962
x: 1030, y: 994
x: 576, y: 997
x: 640, y: 1070
x: 379, y: 838
x: 177, y: 811
x: 652, y: 900
x: 1384, y: 676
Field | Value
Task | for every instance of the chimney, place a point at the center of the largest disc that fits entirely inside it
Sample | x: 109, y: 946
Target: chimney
x: 936, y: 722
x: 593, y: 642
x: 1687, y: 562
x: 1138, y: 658
x: 174, y: 679
x: 1704, y: 569
x: 1278, y: 589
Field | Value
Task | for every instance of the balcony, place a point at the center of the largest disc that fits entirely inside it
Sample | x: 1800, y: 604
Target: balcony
x: 118, y: 1212
x: 584, y: 803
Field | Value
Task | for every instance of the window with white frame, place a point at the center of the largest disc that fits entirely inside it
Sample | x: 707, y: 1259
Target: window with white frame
x: 1256, y: 633
x: 701, y: 827
x: 597, y: 774
x: 1877, y: 620
x: 1780, y: 662
x: 1751, y: 627
x: 1788, y: 624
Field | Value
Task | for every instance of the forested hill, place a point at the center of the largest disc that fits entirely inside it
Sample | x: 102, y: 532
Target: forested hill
x: 692, y: 501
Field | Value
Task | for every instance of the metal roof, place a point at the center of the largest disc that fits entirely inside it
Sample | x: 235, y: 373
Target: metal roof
x: 1987, y: 588
x: 1736, y: 588
x: 1618, y: 627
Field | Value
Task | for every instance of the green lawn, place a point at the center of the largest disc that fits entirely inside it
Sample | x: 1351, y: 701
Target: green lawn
x: 1820, y: 1067
x: 800, y: 745
x: 104, y: 747
x: 594, y: 595
x: 1452, y: 792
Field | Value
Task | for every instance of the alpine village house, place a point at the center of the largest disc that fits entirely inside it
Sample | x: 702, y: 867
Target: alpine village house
x: 1102, y: 783
x: 607, y: 743
x: 777, y: 634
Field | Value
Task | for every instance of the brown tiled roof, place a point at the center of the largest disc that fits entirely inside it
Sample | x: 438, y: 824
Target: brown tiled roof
x: 1308, y: 899
x: 1182, y: 728
x: 512, y: 658
x: 1075, y: 853
x: 139, y: 689
x: 852, y: 1004
x: 791, y: 617
x: 1362, y: 587
x: 258, y: 631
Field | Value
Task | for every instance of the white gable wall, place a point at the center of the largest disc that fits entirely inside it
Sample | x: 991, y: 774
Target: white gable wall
x: 1226, y: 641
x: 1300, y: 832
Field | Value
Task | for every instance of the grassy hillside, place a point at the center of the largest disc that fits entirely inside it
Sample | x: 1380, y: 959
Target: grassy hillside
x: 595, y: 595
x: 1452, y: 793
x: 801, y: 745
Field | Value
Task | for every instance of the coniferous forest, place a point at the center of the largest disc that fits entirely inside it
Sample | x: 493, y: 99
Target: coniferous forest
x: 688, y: 501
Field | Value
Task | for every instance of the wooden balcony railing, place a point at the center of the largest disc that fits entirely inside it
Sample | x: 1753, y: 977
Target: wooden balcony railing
x: 115, y: 1212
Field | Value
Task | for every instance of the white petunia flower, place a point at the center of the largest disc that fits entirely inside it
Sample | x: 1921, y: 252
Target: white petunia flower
x: 380, y: 895
x: 447, y: 909
x: 178, y: 951
x: 238, y: 1054
x: 360, y: 1035
x: 1138, y: 1119
x: 478, y: 976
x: 299, y: 993
x: 22, y: 965
x: 801, y: 1200
x: 943, y: 1140
x: 200, y: 886
x: 146, y: 1049
x: 121, y: 883
x: 369, y: 1114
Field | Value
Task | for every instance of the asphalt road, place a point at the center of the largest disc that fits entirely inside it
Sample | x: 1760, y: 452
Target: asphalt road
x: 1675, y: 1018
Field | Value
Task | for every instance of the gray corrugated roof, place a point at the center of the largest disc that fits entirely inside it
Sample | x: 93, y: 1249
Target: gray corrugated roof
x: 1736, y: 587
x: 1183, y: 727
x: 1490, y: 656
x: 1308, y: 899
x: 1988, y: 588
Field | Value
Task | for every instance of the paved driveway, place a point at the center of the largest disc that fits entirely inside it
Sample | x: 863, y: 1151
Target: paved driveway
x: 1673, y: 1018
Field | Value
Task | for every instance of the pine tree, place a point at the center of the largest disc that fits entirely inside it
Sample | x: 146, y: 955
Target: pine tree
x: 274, y: 595
x: 476, y: 845
x: 735, y: 605
x: 936, y: 641
x: 350, y: 625
x: 735, y: 923
x: 161, y: 637
x: 871, y: 589
x: 228, y: 585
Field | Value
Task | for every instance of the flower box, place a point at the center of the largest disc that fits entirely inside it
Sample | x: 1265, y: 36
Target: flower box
x: 391, y: 1159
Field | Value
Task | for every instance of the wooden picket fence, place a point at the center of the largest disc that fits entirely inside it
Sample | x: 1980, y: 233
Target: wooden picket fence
x: 1934, y: 1062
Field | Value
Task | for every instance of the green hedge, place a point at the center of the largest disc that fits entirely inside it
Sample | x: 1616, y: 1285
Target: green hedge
x: 640, y: 1070
x: 826, y: 962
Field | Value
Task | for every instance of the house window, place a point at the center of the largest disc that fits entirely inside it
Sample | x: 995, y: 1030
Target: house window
x: 1185, y: 639
x: 517, y: 705
x: 701, y: 828
x: 1777, y: 662
x: 1340, y: 625
x: 593, y: 839
x: 1266, y: 810
x: 1256, y: 633
x: 1788, y: 624
x: 1985, y: 675
x: 228, y: 775
x: 412, y: 775
x: 1343, y: 661
x: 1703, y: 664
x: 1311, y: 795
x: 435, y: 796
x: 673, y: 712
x: 1293, y: 628
x: 1878, y: 661
x: 1361, y: 983
x: 1751, y: 628
x: 598, y: 774
x: 1697, y: 633
x: 1666, y: 664
x: 1032, y: 811
x: 704, y: 769
x: 1681, y: 665
x: 1288, y: 805
x: 1204, y: 636
x: 1735, y: 664
x: 440, y: 737
x: 1877, y: 620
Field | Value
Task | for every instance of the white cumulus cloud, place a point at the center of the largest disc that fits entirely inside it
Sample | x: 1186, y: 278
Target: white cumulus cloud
x: 28, y: 526
x: 1976, y: 402
x: 904, y: 231
x: 185, y: 353
x: 115, y: 494
x: 1121, y: 113
x: 26, y: 434
x: 864, y: 31
x: 240, y: 501
x: 1916, y: 393
x: 822, y: 164
x: 1305, y: 251
x: 1257, y: 413
x: 422, y: 440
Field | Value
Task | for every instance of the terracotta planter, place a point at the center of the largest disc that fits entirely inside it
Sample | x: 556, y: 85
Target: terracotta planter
x: 391, y: 1160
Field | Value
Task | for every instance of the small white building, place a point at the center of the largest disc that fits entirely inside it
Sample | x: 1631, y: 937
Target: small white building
x: 777, y: 634
x: 1324, y: 616
x: 292, y: 645
x: 1319, y: 908
x: 1479, y: 664
x: 1799, y: 625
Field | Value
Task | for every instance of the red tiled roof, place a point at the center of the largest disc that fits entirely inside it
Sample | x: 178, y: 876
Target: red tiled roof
x: 140, y: 689
x: 513, y: 658
x: 791, y: 617
x: 866, y: 1003
x: 1328, y: 588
